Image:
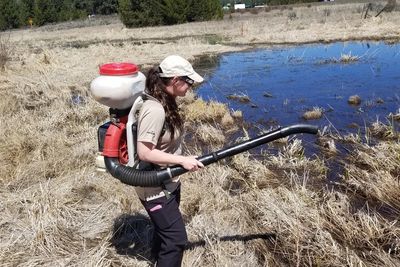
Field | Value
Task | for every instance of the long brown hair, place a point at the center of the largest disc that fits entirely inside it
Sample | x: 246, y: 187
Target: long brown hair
x: 155, y: 86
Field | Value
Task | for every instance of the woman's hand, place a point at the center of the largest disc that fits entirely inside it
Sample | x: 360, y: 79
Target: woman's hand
x: 190, y: 163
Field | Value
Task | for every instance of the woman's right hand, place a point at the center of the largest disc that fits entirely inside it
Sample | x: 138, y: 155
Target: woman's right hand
x: 190, y: 163
x: 147, y: 152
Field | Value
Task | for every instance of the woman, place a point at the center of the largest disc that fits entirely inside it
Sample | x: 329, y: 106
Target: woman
x: 159, y: 138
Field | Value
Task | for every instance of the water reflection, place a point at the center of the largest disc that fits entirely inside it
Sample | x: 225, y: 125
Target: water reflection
x: 283, y: 83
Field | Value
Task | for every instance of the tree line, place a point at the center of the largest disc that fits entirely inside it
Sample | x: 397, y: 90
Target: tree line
x: 20, y: 13
x: 133, y: 13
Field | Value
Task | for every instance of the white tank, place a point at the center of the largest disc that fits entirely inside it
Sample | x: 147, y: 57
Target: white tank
x: 118, y: 85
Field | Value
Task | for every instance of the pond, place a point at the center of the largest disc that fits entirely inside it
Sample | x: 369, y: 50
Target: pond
x: 276, y: 86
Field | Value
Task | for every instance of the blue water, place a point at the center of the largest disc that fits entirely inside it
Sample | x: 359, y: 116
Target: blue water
x: 302, y: 77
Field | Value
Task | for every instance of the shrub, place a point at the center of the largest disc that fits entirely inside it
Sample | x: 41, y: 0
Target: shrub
x: 174, y: 11
x: 106, y: 7
x: 68, y: 11
x: 44, y: 12
x: 8, y: 15
x: 25, y: 12
x: 203, y: 10
x: 135, y: 13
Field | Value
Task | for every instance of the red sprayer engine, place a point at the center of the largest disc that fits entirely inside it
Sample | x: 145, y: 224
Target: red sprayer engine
x: 119, y: 86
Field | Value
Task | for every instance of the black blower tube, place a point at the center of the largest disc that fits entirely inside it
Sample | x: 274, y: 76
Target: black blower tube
x: 134, y: 177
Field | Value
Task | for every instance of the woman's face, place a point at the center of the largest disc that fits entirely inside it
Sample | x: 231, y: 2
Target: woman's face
x: 179, y: 86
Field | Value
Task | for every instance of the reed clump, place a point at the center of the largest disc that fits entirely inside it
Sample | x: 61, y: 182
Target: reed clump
x: 395, y: 116
x: 256, y: 173
x: 242, y: 98
x: 238, y: 114
x: 383, y: 131
x: 314, y: 114
x: 211, y: 135
x: 328, y: 144
x: 354, y: 100
x: 348, y: 58
x: 202, y: 111
x: 343, y: 59
x: 228, y: 121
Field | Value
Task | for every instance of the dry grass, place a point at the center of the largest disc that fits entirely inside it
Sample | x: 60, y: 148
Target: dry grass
x: 56, y: 210
x: 362, y: 229
x: 293, y: 215
x: 5, y: 51
x: 373, y: 172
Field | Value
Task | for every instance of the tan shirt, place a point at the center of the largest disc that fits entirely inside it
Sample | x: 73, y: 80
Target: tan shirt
x: 150, y: 124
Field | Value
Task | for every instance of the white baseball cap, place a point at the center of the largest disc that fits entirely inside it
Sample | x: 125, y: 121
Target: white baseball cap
x: 175, y: 65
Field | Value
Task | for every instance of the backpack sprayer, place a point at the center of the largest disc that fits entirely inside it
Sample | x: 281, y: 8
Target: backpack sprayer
x: 120, y: 86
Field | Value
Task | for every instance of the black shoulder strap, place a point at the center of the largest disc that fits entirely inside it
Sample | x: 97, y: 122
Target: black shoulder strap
x: 144, y: 96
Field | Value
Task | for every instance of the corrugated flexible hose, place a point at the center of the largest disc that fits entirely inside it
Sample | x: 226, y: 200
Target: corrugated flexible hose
x: 134, y: 177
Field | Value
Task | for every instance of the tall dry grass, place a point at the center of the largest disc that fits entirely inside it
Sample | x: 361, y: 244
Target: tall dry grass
x: 271, y: 210
x: 5, y: 51
x: 373, y: 173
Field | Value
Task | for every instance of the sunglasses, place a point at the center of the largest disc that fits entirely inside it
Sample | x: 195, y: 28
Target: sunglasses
x: 187, y: 80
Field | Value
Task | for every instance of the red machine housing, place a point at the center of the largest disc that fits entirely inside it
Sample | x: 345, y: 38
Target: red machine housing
x: 115, y: 145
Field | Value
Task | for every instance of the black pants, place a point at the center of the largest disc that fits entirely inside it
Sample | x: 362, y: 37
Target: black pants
x: 170, y: 236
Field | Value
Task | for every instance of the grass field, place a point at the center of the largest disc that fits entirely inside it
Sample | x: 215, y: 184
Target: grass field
x: 277, y: 210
